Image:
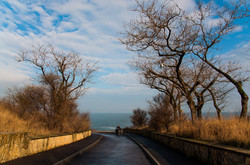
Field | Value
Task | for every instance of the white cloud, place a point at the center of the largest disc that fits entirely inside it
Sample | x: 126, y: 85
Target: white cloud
x: 127, y: 84
x: 88, y: 27
x: 134, y: 90
x: 212, y: 22
x: 94, y: 25
x: 187, y: 5
x: 238, y: 29
x: 11, y: 75
x: 125, y: 79
x: 66, y: 26
x: 17, y: 6
x: 241, y: 53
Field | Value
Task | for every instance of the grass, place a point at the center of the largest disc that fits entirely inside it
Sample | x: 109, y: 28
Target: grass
x: 10, y: 122
x: 232, y: 131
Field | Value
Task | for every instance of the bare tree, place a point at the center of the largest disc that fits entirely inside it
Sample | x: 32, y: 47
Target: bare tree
x: 164, y: 29
x: 156, y: 77
x: 210, y: 36
x: 63, y: 75
x: 196, y: 79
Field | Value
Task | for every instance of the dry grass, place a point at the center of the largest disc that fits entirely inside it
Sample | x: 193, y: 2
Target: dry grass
x: 140, y: 127
x: 231, y: 131
x: 10, y: 122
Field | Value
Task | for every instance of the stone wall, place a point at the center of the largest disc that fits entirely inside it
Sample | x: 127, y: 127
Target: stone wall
x: 16, y: 145
x: 207, y: 153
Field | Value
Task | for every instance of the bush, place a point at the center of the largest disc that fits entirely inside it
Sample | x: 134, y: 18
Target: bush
x: 11, y: 122
x: 77, y: 123
x: 32, y: 104
x: 160, y: 119
x: 139, y: 118
x: 34, y: 124
x: 161, y: 113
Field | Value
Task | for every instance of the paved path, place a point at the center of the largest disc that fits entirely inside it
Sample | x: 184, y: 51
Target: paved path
x: 163, y: 154
x: 121, y: 150
x: 112, y: 149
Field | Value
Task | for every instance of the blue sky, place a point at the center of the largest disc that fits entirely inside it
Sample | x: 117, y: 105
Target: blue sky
x: 91, y: 28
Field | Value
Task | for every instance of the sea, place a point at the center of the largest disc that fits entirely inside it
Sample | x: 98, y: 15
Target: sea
x: 109, y: 121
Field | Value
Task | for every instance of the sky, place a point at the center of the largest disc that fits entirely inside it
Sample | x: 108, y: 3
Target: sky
x: 91, y: 28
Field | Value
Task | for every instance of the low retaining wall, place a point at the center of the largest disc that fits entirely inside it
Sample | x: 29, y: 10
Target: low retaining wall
x: 207, y: 153
x: 16, y: 145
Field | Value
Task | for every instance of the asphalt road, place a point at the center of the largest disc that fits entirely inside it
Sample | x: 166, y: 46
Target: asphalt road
x: 121, y: 150
x: 163, y: 154
x: 113, y: 149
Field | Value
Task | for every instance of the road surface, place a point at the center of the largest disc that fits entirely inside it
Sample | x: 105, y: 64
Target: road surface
x: 113, y: 150
x: 163, y: 154
x: 121, y: 150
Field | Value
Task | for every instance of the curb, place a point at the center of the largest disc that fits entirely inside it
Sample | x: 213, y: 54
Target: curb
x: 148, y: 154
x: 69, y: 158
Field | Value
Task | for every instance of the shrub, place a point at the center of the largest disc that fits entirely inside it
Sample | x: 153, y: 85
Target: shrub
x: 160, y: 119
x: 32, y: 103
x: 28, y: 118
x: 11, y: 122
x: 139, y: 118
x: 161, y: 113
x: 77, y: 123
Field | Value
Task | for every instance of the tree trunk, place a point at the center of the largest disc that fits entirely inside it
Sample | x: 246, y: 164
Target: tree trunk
x: 219, y: 114
x: 175, y: 114
x: 193, y: 116
x: 192, y: 108
x: 218, y: 109
x: 173, y: 104
x: 199, y: 114
x: 179, y: 109
x: 244, y: 103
